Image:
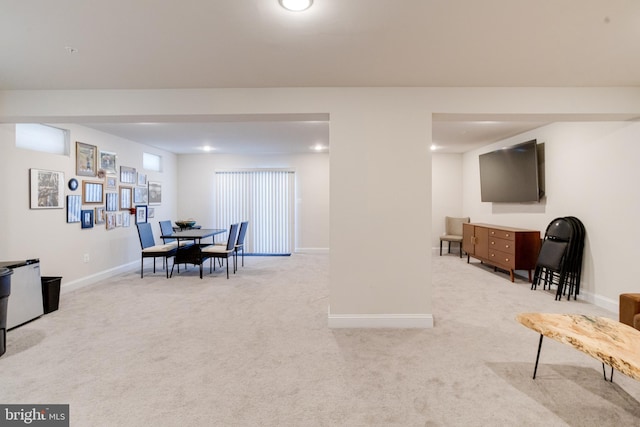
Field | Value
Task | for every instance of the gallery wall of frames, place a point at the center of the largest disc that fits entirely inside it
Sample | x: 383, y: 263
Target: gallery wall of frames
x: 102, y: 194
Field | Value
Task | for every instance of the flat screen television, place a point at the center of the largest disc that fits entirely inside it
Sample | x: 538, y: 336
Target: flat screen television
x: 510, y: 175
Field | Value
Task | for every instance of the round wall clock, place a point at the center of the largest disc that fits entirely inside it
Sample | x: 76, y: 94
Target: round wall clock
x: 73, y: 184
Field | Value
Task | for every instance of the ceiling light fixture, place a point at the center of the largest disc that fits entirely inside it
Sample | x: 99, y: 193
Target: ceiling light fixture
x: 296, y: 5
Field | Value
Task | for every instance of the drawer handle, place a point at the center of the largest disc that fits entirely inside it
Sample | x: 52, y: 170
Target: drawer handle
x: 506, y: 246
x: 506, y: 259
x: 492, y: 255
x: 508, y: 235
x: 493, y: 232
x: 493, y: 243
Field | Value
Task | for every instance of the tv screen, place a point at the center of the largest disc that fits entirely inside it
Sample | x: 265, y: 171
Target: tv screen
x: 510, y: 175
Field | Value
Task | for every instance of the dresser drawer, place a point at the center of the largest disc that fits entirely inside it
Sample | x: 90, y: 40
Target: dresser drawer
x: 502, y: 234
x: 502, y: 259
x: 502, y: 245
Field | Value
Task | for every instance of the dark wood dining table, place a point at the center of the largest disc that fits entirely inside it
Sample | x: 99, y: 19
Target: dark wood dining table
x: 191, y: 254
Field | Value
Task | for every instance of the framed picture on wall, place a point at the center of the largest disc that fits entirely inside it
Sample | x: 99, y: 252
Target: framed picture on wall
x: 100, y: 215
x: 108, y: 162
x: 142, y: 178
x: 47, y: 189
x: 126, y: 219
x: 155, y: 193
x: 140, y: 195
x: 126, y: 198
x: 74, y: 206
x: 112, y: 202
x: 87, y: 218
x: 92, y: 192
x: 111, y: 182
x: 141, y: 214
x: 86, y: 159
x: 111, y: 220
x: 127, y: 175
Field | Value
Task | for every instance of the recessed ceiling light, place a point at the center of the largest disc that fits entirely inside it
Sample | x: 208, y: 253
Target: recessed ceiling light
x: 70, y: 49
x: 296, y: 5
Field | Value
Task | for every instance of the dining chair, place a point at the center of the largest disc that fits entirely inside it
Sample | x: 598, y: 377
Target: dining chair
x: 151, y: 250
x: 223, y: 252
x: 166, y: 228
x: 240, y: 243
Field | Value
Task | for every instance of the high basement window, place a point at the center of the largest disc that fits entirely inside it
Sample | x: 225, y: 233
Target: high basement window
x: 38, y: 137
x: 152, y: 162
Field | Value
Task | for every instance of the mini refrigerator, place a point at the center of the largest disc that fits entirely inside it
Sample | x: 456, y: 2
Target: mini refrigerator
x: 25, y: 300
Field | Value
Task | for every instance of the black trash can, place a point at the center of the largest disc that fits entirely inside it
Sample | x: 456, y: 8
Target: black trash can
x: 50, y: 293
x: 5, y: 291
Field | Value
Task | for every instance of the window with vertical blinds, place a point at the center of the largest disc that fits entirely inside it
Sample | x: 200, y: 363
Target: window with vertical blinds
x: 265, y: 198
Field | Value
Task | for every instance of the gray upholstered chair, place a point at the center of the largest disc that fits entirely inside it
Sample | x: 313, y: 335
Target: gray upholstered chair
x: 453, y: 232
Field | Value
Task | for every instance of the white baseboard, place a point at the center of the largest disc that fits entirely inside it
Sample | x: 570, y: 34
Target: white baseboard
x: 368, y: 321
x: 599, y: 301
x: 95, y: 278
x: 311, y: 250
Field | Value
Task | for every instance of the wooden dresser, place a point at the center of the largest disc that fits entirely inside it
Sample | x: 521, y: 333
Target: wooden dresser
x: 506, y: 248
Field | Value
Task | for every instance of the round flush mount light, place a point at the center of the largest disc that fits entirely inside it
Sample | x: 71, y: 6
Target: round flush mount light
x: 296, y: 5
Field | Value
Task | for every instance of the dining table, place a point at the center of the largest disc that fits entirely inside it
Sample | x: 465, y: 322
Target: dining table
x: 192, y: 254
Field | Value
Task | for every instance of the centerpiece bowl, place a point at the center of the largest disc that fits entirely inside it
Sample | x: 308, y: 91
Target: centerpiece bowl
x: 187, y: 223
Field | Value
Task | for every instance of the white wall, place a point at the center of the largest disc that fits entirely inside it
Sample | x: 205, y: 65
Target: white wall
x: 446, y: 172
x: 45, y: 234
x: 196, y: 189
x: 591, y: 173
x: 380, y: 171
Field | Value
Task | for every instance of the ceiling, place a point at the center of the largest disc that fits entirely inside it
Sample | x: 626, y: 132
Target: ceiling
x: 145, y: 44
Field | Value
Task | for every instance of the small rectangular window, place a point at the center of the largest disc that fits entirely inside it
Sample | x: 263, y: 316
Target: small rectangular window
x: 38, y: 137
x: 152, y: 162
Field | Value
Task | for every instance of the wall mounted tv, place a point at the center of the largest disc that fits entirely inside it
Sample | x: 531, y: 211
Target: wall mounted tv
x: 511, y: 175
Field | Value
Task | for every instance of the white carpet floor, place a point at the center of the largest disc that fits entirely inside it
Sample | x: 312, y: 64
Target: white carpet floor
x: 255, y: 350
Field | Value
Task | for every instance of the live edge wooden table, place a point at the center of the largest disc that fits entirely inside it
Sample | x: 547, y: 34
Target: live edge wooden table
x: 609, y: 341
x: 191, y: 254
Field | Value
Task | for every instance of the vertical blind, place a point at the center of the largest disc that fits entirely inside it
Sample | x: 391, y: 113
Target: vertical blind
x: 266, y: 199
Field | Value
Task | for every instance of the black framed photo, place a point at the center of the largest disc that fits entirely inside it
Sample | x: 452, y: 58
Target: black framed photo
x: 87, y: 218
x: 141, y: 214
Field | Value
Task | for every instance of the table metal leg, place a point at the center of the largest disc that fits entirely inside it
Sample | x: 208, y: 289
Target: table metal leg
x: 605, y: 374
x: 537, y: 357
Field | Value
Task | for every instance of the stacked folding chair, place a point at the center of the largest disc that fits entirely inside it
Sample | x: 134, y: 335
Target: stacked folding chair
x: 560, y: 258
